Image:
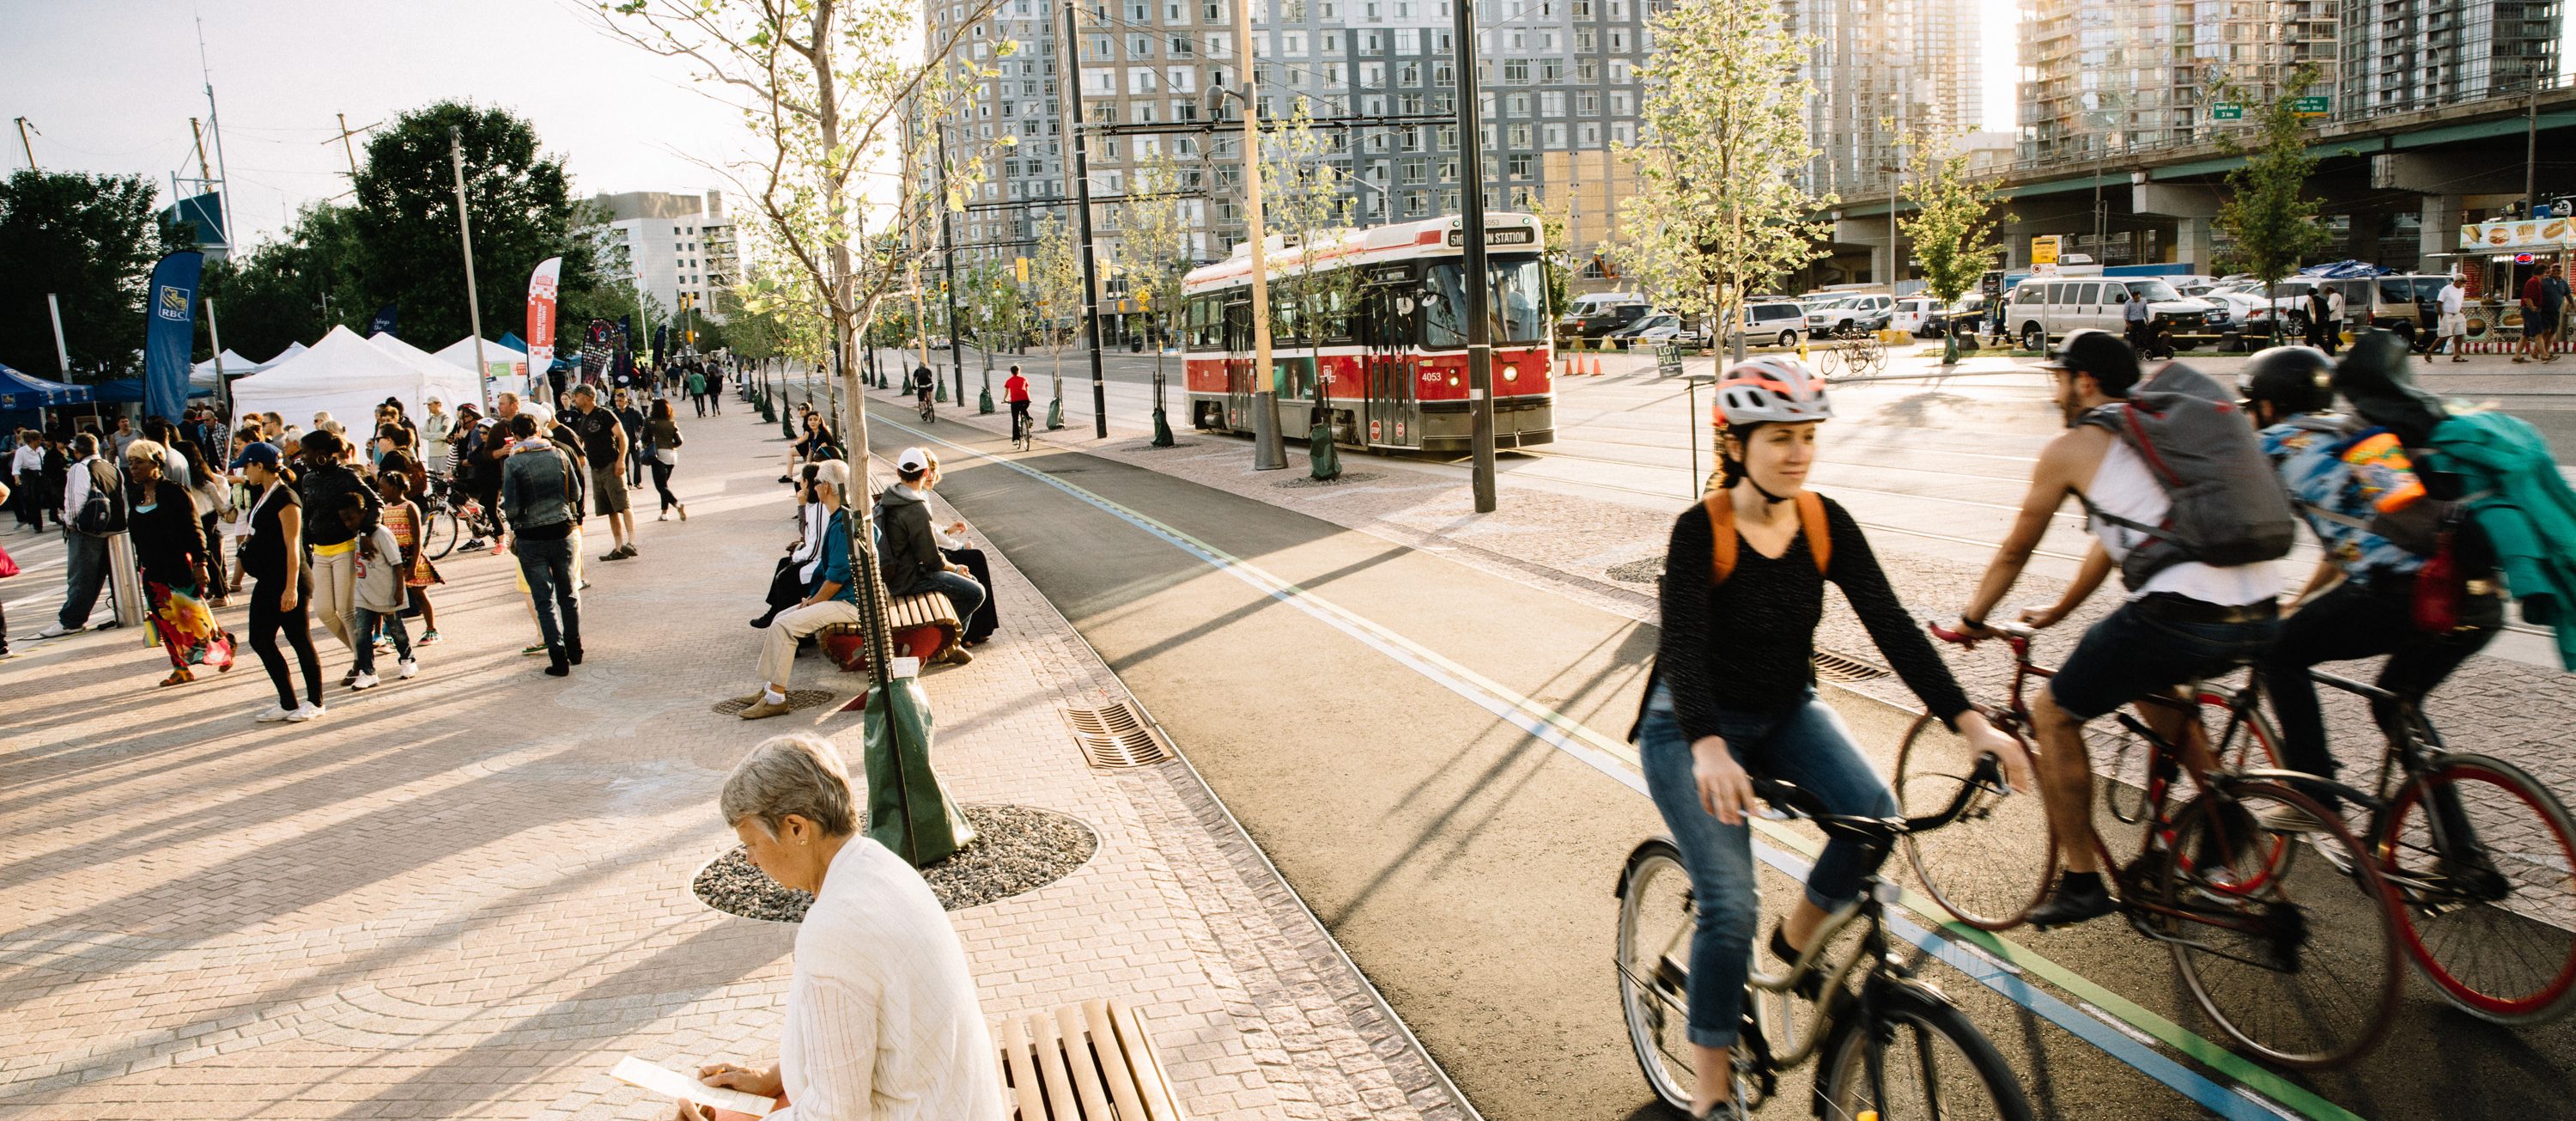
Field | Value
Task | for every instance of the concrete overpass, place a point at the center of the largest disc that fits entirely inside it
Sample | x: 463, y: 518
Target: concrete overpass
x: 2399, y: 184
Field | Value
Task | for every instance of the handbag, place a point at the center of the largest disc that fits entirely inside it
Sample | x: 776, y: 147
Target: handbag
x: 2439, y: 588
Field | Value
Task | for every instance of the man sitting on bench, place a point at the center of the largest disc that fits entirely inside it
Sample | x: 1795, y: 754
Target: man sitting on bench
x: 909, y: 548
x: 829, y: 599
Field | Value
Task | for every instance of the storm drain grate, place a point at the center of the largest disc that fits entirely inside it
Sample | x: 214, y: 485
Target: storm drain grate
x: 1116, y: 736
x: 1835, y: 667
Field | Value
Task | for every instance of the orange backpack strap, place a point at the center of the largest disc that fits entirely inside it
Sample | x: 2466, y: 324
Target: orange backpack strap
x: 1722, y: 540
x: 1820, y: 536
x: 1721, y: 535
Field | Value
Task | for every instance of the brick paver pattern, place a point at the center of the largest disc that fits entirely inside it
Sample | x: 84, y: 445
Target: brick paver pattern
x: 466, y: 895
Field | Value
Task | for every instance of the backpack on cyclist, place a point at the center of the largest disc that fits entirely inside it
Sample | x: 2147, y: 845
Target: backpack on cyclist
x: 2514, y: 493
x: 1721, y: 524
x: 2227, y: 508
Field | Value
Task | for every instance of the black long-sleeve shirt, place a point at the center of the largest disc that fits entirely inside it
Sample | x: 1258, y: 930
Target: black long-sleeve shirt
x: 1749, y: 645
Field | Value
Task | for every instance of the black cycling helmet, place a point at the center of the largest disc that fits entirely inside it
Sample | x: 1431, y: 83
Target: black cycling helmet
x: 2372, y: 375
x: 2297, y: 379
x: 2100, y: 353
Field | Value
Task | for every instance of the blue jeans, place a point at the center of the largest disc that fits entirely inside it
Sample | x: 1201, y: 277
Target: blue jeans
x: 963, y: 593
x: 368, y: 619
x: 1805, y: 745
x: 85, y: 564
x: 548, y: 568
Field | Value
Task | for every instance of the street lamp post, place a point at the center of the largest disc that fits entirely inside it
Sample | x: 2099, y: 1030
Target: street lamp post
x: 1082, y: 208
x: 1268, y: 452
x: 465, y: 235
x: 1471, y: 228
x: 948, y: 267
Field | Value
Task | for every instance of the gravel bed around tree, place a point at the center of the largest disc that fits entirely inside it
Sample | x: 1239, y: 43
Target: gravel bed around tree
x: 1307, y: 481
x: 1017, y: 849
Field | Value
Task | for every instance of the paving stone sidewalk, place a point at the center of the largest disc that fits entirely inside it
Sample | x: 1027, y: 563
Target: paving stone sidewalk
x: 467, y: 894
x: 1607, y: 551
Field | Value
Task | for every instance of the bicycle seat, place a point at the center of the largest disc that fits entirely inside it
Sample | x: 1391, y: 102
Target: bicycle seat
x: 1798, y: 803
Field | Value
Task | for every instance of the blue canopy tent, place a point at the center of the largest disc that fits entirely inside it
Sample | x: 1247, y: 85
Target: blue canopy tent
x: 24, y: 391
x: 130, y: 390
x: 512, y: 340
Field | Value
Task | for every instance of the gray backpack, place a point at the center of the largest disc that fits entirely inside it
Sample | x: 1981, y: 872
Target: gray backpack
x: 2228, y: 506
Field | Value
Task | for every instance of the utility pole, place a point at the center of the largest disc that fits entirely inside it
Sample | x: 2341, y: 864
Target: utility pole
x: 62, y: 354
x: 1082, y: 206
x: 1268, y: 453
x: 1478, y: 282
x: 347, y: 148
x: 2530, y: 148
x: 215, y: 125
x: 23, y: 129
x: 215, y: 334
x: 465, y: 237
x: 948, y: 269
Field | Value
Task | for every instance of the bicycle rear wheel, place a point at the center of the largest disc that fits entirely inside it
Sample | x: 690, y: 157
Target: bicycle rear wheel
x: 1932, y: 1064
x: 439, y: 536
x: 2296, y: 960
x: 1995, y: 863
x: 2480, y: 856
x: 1656, y: 919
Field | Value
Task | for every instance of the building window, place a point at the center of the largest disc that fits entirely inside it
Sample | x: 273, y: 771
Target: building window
x: 1520, y: 136
x: 1555, y: 135
x: 1586, y: 41
x: 1182, y: 46
x: 1588, y: 103
x: 1516, y: 71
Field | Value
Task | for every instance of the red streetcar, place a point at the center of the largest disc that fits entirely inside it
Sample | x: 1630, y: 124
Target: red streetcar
x: 1393, y: 365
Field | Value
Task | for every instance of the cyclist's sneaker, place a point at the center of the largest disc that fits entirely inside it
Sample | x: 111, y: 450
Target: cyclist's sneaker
x: 1812, y: 982
x: 2073, y: 902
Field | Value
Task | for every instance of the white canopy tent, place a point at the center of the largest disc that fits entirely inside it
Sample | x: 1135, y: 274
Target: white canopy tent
x: 418, y: 357
x: 347, y: 376
x: 461, y: 353
x: 202, y: 375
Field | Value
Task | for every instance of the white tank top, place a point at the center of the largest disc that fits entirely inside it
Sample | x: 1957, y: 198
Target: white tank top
x: 2123, y: 487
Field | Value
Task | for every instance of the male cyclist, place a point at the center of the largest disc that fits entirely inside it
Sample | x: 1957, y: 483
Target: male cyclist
x: 1016, y: 389
x: 2186, y: 621
x: 2351, y: 480
x: 922, y: 381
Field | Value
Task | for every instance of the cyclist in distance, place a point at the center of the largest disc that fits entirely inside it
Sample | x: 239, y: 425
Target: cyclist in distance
x: 2379, y: 521
x: 1732, y: 691
x: 1016, y: 390
x: 922, y: 380
x: 2182, y: 622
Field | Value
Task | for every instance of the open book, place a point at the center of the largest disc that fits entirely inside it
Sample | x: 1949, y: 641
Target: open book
x: 673, y: 1084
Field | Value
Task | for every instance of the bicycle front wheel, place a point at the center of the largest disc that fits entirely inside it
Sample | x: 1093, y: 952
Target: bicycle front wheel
x: 2295, y: 959
x: 2480, y: 855
x: 1930, y: 1063
x: 1656, y: 918
x: 1995, y: 863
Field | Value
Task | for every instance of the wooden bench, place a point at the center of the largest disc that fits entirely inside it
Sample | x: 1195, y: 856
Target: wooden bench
x: 1088, y: 1061
x: 925, y: 626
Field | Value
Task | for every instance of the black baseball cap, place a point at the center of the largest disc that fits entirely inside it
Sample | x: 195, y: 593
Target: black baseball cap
x: 2100, y: 353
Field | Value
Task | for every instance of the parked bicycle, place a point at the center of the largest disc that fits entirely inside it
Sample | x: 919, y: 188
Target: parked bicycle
x: 1892, y: 1047
x: 1848, y: 352
x: 2295, y: 960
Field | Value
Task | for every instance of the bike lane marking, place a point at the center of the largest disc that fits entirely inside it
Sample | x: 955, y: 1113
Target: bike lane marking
x: 1991, y: 961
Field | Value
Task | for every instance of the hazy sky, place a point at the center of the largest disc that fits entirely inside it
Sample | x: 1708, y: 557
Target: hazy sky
x: 110, y: 85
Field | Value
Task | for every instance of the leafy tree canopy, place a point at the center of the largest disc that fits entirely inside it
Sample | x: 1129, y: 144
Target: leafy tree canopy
x: 90, y: 241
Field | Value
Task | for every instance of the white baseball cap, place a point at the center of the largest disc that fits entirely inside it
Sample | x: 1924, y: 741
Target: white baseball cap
x: 912, y: 461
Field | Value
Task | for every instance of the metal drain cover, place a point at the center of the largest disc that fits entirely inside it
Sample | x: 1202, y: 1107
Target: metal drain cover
x: 1116, y: 736
x: 1836, y: 667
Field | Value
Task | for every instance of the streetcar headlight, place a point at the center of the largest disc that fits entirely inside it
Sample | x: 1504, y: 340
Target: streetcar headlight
x: 1453, y: 379
x: 1511, y: 373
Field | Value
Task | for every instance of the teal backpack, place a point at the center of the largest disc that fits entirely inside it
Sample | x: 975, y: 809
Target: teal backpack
x: 2513, y: 490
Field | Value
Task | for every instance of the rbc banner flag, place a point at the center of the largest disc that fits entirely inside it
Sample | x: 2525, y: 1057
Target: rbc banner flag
x: 542, y: 286
x: 170, y: 333
x: 383, y: 324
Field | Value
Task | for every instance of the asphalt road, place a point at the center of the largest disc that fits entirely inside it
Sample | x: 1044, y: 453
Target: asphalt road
x: 1466, y: 865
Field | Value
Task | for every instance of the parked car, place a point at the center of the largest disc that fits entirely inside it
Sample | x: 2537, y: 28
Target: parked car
x: 1861, y: 312
x: 1773, y: 322
x: 1967, y: 317
x: 1648, y: 330
x: 1916, y: 315
x: 2045, y: 310
x: 1595, y: 314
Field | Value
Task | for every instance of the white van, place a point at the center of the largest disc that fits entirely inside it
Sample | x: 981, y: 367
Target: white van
x: 2042, y: 310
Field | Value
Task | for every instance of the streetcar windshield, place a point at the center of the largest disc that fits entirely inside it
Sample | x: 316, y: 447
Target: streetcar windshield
x: 1517, y: 301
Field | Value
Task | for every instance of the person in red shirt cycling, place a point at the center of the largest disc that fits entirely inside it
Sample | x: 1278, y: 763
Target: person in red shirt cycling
x: 1016, y: 390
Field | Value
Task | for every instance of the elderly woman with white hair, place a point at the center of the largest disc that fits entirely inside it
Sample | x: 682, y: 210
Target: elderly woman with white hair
x: 830, y: 595
x: 882, y: 1017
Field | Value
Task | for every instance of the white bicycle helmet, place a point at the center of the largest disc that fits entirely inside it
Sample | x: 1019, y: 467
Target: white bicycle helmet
x: 1772, y: 389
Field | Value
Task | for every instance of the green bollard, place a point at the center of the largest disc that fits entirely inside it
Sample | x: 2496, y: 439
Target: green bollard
x: 1323, y: 460
x: 1162, y: 430
x: 1055, y: 414
x: 939, y: 391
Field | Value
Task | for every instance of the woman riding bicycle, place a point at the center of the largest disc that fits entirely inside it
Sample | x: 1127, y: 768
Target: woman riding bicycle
x: 1733, y: 687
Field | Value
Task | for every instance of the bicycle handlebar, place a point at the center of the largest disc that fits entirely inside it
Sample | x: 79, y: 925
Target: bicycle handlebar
x: 1798, y: 802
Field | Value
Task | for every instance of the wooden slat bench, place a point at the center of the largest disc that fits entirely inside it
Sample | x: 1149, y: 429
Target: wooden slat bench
x: 1084, y: 1062
x: 925, y: 627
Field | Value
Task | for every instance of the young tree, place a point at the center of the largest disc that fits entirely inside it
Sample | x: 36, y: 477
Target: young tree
x: 1553, y: 218
x: 1154, y: 252
x: 1955, y: 229
x: 523, y: 213
x: 1055, y: 283
x: 90, y: 241
x: 1719, y: 212
x: 2270, y: 219
x: 1302, y: 199
x: 830, y: 90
